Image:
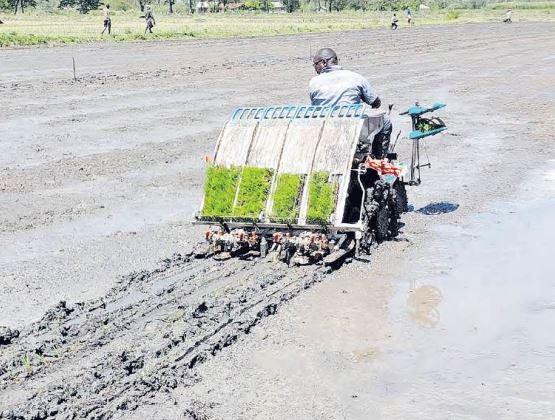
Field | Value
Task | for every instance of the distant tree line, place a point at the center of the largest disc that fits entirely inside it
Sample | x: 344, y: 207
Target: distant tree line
x: 84, y: 6
x: 16, y: 5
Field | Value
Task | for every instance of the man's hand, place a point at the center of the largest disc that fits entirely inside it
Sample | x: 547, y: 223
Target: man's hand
x: 377, y: 103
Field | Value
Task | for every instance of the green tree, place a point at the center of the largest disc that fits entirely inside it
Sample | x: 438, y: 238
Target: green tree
x: 170, y: 4
x: 253, y: 5
x: 291, y: 5
x: 17, y: 5
x: 84, y: 6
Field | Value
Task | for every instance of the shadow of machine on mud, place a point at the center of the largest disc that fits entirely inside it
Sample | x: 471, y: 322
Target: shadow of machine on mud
x: 440, y: 207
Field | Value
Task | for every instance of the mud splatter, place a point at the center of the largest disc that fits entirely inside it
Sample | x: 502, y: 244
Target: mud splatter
x: 143, y: 338
x: 7, y: 335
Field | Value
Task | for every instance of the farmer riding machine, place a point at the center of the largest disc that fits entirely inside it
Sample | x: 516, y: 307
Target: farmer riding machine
x: 299, y: 183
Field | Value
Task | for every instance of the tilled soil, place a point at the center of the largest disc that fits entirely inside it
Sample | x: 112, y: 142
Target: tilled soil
x: 143, y: 338
x: 99, y: 177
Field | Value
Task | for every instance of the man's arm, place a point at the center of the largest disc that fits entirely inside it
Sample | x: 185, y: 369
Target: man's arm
x: 369, y: 95
x: 311, y: 92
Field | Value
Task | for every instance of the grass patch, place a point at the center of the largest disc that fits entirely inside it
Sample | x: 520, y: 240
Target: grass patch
x: 453, y: 14
x: 287, y: 197
x: 219, y: 191
x: 36, y: 27
x: 253, y: 192
x: 21, y: 39
x: 321, y: 198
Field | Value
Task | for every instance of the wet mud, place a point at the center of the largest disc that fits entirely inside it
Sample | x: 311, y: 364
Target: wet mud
x: 7, y: 335
x: 142, y: 339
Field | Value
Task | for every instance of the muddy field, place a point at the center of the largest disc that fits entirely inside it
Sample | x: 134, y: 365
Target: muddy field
x: 105, y: 312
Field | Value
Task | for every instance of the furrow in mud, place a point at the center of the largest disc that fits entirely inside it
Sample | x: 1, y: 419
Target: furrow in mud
x: 143, y: 338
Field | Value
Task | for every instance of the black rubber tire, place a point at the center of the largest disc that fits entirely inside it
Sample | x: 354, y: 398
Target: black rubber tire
x: 381, y: 223
x: 377, y: 209
x: 400, y: 200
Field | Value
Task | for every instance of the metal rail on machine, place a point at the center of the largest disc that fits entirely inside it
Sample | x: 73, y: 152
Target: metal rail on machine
x: 230, y: 223
x: 298, y: 111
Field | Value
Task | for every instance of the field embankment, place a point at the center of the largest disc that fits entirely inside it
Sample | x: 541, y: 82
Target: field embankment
x: 69, y: 27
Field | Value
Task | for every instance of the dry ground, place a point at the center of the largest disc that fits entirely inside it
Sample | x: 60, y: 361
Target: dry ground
x: 99, y: 177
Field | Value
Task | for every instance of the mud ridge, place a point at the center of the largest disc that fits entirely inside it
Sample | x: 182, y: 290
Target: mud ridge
x: 144, y: 338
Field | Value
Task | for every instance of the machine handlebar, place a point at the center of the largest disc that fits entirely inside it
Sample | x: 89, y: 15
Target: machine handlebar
x: 417, y: 110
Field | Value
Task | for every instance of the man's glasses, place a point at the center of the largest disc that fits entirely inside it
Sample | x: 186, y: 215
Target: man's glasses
x: 318, y: 62
x: 323, y: 60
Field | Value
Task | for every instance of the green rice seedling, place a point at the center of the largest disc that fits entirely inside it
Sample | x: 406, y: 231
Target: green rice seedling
x: 219, y: 191
x: 424, y: 126
x: 428, y: 124
x: 26, y: 363
x: 287, y: 197
x: 321, y: 198
x: 253, y: 192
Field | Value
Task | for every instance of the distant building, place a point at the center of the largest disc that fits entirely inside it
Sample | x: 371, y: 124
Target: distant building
x: 207, y: 6
x: 231, y: 7
x: 277, y: 6
x: 202, y: 7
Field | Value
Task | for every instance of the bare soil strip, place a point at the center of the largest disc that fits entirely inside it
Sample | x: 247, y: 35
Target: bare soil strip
x: 144, y: 337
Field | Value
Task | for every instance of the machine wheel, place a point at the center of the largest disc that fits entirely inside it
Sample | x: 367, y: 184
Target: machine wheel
x: 380, y: 213
x: 381, y: 226
x: 366, y: 242
x: 399, y: 194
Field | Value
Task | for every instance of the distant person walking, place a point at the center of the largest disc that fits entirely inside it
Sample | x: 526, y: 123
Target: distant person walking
x: 508, y: 17
x: 149, y: 19
x: 394, y: 21
x: 408, y: 14
x: 107, y: 20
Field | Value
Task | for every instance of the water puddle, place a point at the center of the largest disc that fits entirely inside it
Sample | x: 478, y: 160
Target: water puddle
x: 475, y: 340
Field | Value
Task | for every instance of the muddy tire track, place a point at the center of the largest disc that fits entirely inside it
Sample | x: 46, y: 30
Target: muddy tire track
x: 143, y: 338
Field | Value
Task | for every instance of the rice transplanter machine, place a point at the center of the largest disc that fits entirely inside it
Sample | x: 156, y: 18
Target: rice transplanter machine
x: 298, y: 183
